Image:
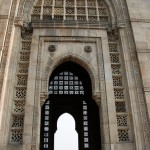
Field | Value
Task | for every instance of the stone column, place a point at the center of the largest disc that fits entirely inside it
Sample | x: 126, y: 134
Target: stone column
x: 31, y: 97
x: 133, y: 96
x: 109, y: 109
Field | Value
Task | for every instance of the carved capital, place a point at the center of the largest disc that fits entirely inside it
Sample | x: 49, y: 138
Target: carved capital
x: 26, y: 30
x: 43, y: 97
x: 18, y: 22
x: 112, y: 34
x: 97, y: 97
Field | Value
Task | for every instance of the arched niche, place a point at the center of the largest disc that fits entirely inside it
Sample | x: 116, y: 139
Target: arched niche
x: 70, y: 92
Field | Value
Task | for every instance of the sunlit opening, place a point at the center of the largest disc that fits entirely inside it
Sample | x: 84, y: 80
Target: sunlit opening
x: 66, y: 137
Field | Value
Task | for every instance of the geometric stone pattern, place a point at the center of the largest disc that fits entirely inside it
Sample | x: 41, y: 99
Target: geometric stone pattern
x: 17, y: 121
x: 123, y: 135
x: 20, y: 93
x: 66, y: 83
x: 119, y: 94
x: 20, y: 90
x: 116, y: 69
x: 22, y: 80
x: 85, y: 125
x: 117, y: 81
x: 74, y: 56
x: 122, y: 120
x: 66, y: 10
x: 120, y: 107
x: 16, y: 136
x: 19, y: 106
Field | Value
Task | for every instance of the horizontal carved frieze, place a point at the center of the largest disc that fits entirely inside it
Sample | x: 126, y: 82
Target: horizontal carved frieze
x: 3, y: 16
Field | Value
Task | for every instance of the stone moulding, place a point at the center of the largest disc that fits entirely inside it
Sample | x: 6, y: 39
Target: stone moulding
x: 24, y: 14
x: 52, y: 64
x: 6, y: 43
x: 3, y: 16
x: 137, y: 76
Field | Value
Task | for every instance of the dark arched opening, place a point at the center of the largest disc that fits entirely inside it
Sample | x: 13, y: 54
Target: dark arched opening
x: 70, y: 92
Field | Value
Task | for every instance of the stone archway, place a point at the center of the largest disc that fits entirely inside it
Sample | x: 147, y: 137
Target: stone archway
x: 70, y: 91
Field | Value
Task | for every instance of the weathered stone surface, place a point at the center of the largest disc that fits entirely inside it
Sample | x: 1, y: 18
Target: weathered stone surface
x: 119, y: 76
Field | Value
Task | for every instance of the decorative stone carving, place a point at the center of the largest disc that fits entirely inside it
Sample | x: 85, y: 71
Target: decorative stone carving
x: 51, y: 64
x: 26, y: 31
x: 136, y: 72
x: 3, y: 16
x: 43, y: 97
x: 112, y: 35
x: 6, y: 43
x: 52, y: 48
x: 87, y: 49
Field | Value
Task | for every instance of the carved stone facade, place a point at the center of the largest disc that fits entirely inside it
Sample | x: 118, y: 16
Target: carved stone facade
x: 110, y: 39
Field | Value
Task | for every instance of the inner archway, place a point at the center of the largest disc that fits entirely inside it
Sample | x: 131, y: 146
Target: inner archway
x: 70, y: 92
x: 66, y: 136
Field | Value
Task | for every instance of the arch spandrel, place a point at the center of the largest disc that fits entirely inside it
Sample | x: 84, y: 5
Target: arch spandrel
x: 52, y: 64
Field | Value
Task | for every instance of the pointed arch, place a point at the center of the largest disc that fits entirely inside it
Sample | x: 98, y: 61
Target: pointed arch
x: 71, y: 118
x: 66, y: 130
x: 52, y: 64
x: 65, y: 85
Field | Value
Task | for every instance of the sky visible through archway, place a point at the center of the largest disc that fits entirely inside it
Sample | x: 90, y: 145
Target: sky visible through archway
x: 66, y: 137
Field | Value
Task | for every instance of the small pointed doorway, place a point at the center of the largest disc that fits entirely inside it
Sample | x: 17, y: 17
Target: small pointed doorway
x: 70, y: 92
x: 66, y: 135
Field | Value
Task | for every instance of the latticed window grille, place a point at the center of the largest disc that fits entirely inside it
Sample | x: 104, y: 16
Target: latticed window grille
x: 24, y: 56
x: 47, y: 10
x: 17, y: 121
x: 21, y: 86
x: 116, y: 69
x: 23, y: 67
x: 114, y: 58
x: 66, y: 83
x: 113, y: 48
x: 119, y: 93
x: 120, y: 107
x: 85, y: 125
x: 22, y: 80
x: 119, y: 89
x: 20, y: 93
x: 16, y: 136
x: 37, y: 10
x: 79, y: 10
x: 80, y: 2
x: 26, y: 45
x: 19, y: 106
x: 48, y: 2
x: 117, y: 81
x: 122, y: 120
x: 123, y: 135
x: 39, y: 2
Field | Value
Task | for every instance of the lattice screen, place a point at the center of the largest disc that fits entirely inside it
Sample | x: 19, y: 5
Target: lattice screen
x: 119, y: 92
x: 20, y: 91
x: 70, y: 10
x: 65, y: 83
